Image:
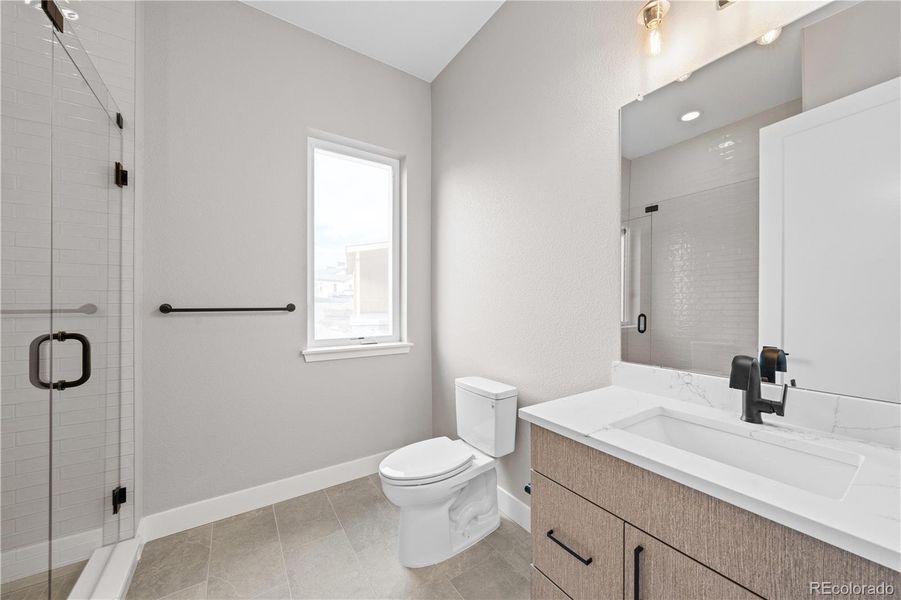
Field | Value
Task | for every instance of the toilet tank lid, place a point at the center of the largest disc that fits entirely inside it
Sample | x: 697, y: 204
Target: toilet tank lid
x: 485, y: 387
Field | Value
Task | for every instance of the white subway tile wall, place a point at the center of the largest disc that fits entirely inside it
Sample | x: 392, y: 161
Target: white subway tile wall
x: 90, y: 434
x: 703, y: 271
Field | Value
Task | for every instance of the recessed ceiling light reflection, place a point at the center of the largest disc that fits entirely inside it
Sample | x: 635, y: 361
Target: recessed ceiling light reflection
x: 690, y: 116
x: 769, y: 37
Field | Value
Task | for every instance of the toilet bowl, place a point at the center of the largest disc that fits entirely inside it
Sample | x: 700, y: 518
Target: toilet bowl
x: 447, y: 489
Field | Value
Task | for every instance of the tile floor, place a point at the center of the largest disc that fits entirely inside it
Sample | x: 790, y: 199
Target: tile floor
x: 336, y: 543
x: 34, y: 587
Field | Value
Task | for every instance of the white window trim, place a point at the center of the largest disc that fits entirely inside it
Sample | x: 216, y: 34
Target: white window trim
x: 332, y: 349
x: 358, y: 351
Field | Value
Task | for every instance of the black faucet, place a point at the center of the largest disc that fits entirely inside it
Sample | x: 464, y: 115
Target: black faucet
x: 745, y: 376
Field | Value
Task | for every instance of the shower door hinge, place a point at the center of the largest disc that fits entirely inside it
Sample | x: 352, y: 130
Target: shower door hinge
x: 119, y: 498
x: 54, y: 14
x: 121, y: 175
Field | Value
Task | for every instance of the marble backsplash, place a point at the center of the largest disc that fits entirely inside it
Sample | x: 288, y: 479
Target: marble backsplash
x: 872, y: 421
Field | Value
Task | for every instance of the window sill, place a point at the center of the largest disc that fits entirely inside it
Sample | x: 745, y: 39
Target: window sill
x: 357, y: 351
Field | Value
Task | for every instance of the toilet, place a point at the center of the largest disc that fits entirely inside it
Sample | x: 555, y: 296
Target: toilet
x: 447, y: 489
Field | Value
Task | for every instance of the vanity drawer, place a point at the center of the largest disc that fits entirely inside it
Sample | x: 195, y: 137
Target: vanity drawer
x: 544, y: 589
x: 568, y: 532
x: 654, y: 571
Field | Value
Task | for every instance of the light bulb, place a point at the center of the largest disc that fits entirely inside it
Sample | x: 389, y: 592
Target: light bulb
x: 655, y: 44
x: 690, y: 116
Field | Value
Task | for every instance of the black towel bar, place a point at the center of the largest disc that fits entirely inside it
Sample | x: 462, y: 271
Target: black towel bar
x: 168, y: 308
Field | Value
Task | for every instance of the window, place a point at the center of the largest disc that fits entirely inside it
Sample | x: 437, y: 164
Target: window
x: 354, y: 247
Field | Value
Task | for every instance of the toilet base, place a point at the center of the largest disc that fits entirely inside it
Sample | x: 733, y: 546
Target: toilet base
x: 432, y: 533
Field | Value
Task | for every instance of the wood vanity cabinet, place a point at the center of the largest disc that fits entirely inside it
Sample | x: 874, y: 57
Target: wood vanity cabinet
x: 656, y: 571
x: 545, y: 589
x: 575, y: 544
x: 693, y: 546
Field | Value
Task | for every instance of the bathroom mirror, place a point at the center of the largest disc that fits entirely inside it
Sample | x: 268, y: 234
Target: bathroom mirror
x: 760, y: 207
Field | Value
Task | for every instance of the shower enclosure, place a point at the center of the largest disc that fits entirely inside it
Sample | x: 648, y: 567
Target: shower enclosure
x: 67, y: 324
x: 689, y: 274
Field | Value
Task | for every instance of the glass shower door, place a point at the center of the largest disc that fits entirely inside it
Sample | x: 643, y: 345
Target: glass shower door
x: 67, y: 419
x: 26, y: 297
x: 86, y: 344
x: 637, y: 280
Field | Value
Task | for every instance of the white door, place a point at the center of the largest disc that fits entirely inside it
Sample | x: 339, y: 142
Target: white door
x: 830, y: 258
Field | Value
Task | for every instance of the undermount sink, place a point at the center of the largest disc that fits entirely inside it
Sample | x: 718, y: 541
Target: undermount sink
x: 817, y: 469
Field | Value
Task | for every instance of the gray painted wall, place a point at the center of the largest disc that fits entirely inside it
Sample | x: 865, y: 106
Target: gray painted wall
x: 525, y: 190
x: 526, y: 220
x: 231, y: 96
x: 850, y: 51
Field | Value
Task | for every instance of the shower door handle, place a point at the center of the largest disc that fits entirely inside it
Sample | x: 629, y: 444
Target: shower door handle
x: 62, y: 336
x: 34, y: 360
x: 642, y: 323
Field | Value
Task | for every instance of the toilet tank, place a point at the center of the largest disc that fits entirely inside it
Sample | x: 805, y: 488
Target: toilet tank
x: 486, y: 414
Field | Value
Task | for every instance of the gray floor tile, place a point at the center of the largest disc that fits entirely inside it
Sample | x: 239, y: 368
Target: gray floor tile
x: 246, y: 557
x: 337, y: 543
x: 389, y: 579
x: 64, y: 579
x: 469, y: 558
x: 326, y: 568
x: 514, y: 544
x: 35, y: 591
x: 358, y: 500
x: 61, y: 587
x: 305, y: 519
x: 375, y: 527
x: 279, y: 592
x: 172, y: 563
x: 195, y: 592
x: 493, y: 579
x: 377, y: 482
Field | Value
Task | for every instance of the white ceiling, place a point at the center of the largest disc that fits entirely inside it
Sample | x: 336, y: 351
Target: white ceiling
x: 417, y: 37
x: 743, y: 83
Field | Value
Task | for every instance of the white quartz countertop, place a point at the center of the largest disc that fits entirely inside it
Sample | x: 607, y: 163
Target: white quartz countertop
x: 865, y: 521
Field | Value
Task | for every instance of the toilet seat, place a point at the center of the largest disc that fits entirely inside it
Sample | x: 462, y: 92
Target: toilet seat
x: 425, y: 462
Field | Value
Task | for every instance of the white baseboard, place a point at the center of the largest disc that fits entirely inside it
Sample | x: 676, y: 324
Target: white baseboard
x: 188, y: 516
x: 29, y: 560
x: 518, y: 511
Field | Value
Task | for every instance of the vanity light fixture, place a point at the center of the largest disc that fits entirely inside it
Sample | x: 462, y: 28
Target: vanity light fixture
x: 769, y: 37
x: 690, y: 116
x: 651, y: 16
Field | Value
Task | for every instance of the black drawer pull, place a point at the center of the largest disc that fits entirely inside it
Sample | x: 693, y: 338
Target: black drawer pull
x: 584, y: 561
x: 636, y: 573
